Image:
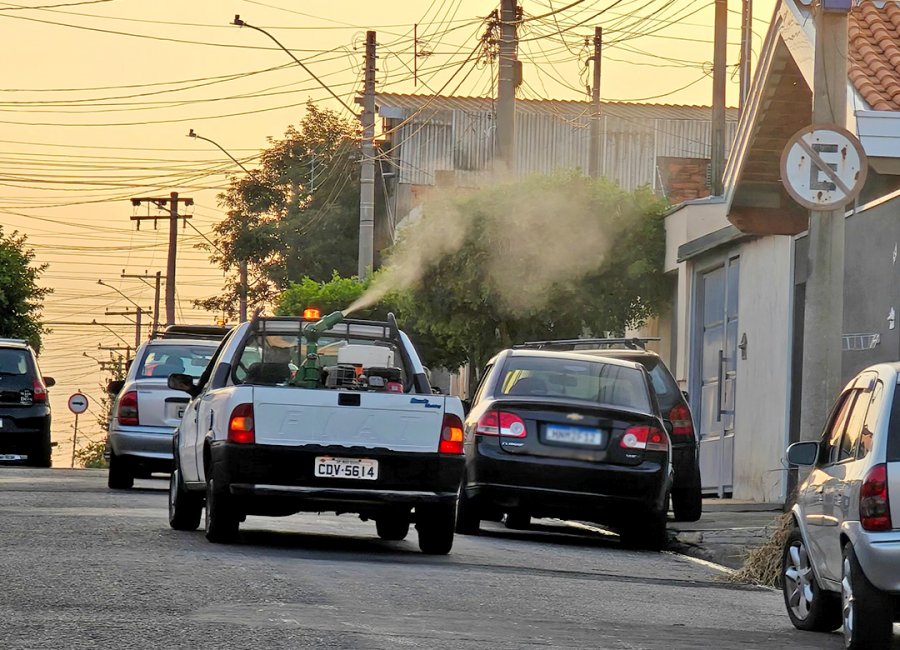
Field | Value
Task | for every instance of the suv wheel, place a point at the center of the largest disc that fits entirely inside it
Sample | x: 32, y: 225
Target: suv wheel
x: 867, y: 613
x: 687, y: 502
x: 222, y: 522
x: 808, y: 607
x: 468, y: 521
x: 393, y: 527
x: 517, y: 520
x: 648, y: 533
x: 435, y: 526
x: 120, y: 476
x: 185, y: 508
x: 40, y: 455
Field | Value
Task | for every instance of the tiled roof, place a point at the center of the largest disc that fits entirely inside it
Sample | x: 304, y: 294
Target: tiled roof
x: 875, y: 54
x: 566, y: 109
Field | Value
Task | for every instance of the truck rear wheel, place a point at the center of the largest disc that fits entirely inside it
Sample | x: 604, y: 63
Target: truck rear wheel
x: 222, y: 522
x: 435, y: 526
x: 392, y: 527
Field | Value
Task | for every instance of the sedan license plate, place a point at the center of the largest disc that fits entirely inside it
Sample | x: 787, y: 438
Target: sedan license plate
x: 574, y: 435
x: 353, y: 468
x: 13, y: 457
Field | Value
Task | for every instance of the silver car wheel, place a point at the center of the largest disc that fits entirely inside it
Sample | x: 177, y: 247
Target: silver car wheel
x: 848, y: 603
x: 173, y: 492
x: 799, y: 578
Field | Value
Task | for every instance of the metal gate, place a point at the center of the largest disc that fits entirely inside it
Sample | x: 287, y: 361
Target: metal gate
x: 715, y: 368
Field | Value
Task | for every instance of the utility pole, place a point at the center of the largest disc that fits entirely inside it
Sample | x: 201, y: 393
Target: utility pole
x: 154, y: 328
x: 367, y: 169
x: 160, y: 203
x: 746, y: 50
x: 717, y: 150
x: 242, y: 303
x: 507, y: 81
x: 823, y: 318
x: 594, y: 162
x: 138, y: 313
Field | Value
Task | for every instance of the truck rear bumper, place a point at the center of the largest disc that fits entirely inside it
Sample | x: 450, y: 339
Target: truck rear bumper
x: 270, y: 479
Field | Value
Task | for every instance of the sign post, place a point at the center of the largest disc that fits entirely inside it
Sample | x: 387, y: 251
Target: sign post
x: 78, y: 404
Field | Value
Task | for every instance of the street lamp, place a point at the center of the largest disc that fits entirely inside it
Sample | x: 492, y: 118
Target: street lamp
x: 120, y: 293
x: 242, y: 264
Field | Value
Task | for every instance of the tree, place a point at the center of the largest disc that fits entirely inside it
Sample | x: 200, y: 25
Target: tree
x: 21, y: 299
x: 297, y: 214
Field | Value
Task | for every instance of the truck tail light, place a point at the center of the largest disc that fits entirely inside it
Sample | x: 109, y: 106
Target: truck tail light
x: 451, y: 435
x: 501, y: 423
x: 38, y: 392
x: 240, y: 425
x: 645, y: 437
x: 128, y: 408
x: 682, y: 426
x: 874, y: 507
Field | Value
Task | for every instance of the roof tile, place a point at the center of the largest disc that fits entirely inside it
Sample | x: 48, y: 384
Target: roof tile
x: 875, y: 54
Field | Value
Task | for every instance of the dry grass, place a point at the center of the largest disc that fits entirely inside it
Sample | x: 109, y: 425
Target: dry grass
x: 763, y: 563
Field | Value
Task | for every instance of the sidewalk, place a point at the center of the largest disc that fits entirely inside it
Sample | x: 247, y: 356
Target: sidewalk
x: 727, y: 530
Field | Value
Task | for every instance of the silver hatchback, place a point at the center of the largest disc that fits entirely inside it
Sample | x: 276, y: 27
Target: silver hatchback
x: 841, y: 562
x: 146, y: 411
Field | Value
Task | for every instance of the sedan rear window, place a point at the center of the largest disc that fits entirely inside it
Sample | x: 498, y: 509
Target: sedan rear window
x: 164, y: 360
x: 591, y: 381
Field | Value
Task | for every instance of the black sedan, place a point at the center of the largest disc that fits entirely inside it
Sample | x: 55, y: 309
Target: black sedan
x: 554, y: 434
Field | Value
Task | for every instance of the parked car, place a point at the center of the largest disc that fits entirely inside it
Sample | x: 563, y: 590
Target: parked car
x: 841, y: 561
x: 687, y: 497
x: 559, y: 434
x: 146, y: 411
x: 338, y: 419
x: 24, y: 406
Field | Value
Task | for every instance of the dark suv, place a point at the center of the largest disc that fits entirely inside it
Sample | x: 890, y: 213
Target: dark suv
x: 686, y: 491
x: 24, y: 406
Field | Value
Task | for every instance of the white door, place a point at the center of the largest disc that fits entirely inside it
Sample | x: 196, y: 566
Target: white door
x: 717, y: 339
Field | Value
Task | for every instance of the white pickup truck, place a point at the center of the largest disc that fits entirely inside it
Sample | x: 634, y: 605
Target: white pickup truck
x: 329, y: 416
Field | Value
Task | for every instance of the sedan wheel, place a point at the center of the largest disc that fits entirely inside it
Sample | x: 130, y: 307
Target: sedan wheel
x: 808, y: 607
x: 867, y: 612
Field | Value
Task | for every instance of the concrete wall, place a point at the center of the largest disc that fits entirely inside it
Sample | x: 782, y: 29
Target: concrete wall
x: 762, y: 400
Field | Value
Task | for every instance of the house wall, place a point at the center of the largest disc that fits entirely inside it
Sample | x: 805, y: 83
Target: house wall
x: 763, y: 384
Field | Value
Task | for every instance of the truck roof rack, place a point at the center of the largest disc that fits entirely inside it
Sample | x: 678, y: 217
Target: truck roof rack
x: 204, y: 332
x: 633, y: 343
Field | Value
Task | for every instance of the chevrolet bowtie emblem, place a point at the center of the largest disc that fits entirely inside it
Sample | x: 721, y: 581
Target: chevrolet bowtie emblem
x: 575, y: 417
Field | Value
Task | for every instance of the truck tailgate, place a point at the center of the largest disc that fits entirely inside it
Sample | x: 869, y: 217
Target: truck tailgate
x: 297, y: 416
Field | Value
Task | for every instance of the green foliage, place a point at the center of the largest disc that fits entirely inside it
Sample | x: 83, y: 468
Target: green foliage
x: 335, y: 294
x: 20, y: 297
x: 90, y: 455
x: 297, y: 215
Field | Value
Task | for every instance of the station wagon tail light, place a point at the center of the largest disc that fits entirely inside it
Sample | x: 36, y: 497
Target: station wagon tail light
x: 451, y: 435
x: 240, y: 426
x: 38, y: 392
x: 874, y: 507
x: 682, y: 426
x: 128, y: 408
x: 645, y: 437
x: 501, y: 423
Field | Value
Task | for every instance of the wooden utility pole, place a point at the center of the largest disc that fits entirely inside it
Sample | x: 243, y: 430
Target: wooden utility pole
x: 367, y: 169
x: 717, y: 150
x: 823, y: 319
x: 746, y: 50
x: 507, y: 81
x: 172, y: 205
x: 594, y: 165
x: 154, y: 328
x: 138, y: 313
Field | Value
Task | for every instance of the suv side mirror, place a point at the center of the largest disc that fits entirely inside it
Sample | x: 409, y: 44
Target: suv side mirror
x: 49, y: 382
x: 804, y: 454
x: 115, y: 386
x: 182, y: 382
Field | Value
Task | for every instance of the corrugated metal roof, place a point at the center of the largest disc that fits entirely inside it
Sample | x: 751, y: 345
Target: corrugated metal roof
x: 566, y: 110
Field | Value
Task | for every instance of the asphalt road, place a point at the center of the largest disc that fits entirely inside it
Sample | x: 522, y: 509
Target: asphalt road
x: 85, y: 567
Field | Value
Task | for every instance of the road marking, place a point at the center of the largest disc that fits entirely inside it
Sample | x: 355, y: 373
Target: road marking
x: 706, y: 563
x: 593, y: 529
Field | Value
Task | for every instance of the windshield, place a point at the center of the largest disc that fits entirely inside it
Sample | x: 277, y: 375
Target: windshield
x: 274, y: 359
x: 13, y: 361
x: 164, y: 360
x: 592, y: 381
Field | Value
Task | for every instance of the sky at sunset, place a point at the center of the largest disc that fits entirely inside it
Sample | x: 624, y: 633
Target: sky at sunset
x: 97, y: 97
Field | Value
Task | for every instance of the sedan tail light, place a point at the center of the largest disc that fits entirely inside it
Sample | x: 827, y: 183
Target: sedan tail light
x: 38, y: 392
x: 645, y: 437
x: 682, y: 425
x: 874, y: 507
x: 128, y: 408
x: 451, y: 435
x: 240, y: 425
x: 501, y: 423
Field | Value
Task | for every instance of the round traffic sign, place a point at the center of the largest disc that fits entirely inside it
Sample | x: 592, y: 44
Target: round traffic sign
x: 823, y: 167
x: 78, y: 403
